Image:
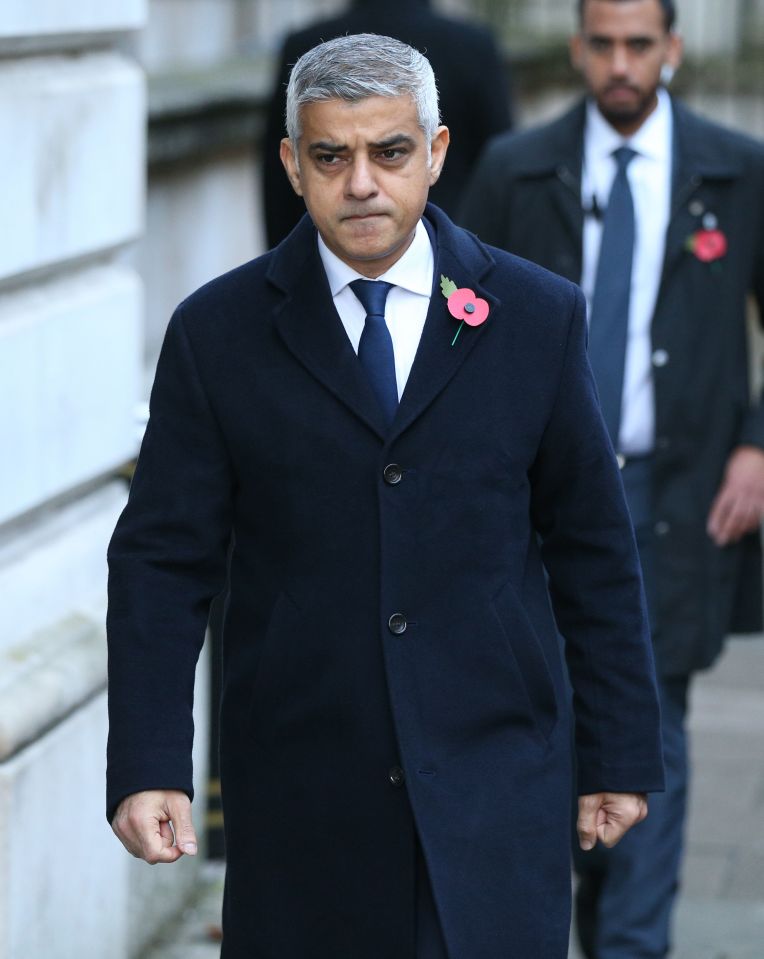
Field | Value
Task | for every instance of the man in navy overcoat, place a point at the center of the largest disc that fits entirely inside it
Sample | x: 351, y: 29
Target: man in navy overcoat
x: 396, y: 727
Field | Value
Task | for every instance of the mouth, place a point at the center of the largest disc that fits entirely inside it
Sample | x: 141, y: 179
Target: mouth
x: 360, y: 217
x: 621, y: 91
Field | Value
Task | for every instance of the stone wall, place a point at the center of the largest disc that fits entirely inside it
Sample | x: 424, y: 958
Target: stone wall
x: 73, y: 129
x: 209, y: 64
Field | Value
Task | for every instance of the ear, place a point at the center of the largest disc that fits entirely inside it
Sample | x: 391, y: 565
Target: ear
x: 286, y: 152
x: 439, y: 147
x: 576, y: 50
x: 675, y: 50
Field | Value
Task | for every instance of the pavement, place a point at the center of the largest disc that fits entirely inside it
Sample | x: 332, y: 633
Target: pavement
x: 721, y: 909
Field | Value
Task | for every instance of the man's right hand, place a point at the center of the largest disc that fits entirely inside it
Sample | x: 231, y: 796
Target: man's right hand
x: 156, y: 825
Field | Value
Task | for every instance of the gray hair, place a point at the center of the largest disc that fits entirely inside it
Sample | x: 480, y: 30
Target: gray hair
x: 358, y: 66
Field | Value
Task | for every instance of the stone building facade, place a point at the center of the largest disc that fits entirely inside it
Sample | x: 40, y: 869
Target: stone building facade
x: 73, y: 129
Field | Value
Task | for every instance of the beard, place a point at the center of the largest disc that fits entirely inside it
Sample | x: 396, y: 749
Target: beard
x: 629, y: 114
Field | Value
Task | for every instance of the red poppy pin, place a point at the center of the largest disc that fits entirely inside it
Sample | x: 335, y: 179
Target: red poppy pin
x: 707, y: 245
x: 463, y: 305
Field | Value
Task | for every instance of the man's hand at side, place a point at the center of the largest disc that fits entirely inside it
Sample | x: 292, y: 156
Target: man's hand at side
x: 607, y: 817
x: 739, y: 504
x: 143, y: 821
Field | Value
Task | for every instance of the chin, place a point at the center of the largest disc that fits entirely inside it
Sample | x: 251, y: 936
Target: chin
x: 624, y: 116
x: 369, y: 247
x: 626, y: 112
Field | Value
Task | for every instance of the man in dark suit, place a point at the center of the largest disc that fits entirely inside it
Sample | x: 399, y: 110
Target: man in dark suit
x: 421, y: 494
x: 473, y: 87
x: 675, y: 204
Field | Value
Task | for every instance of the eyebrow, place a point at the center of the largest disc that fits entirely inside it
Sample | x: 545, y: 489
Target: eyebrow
x: 636, y: 38
x: 397, y: 139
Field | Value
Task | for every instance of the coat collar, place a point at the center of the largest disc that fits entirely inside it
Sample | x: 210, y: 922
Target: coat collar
x: 560, y: 148
x: 555, y: 153
x: 309, y: 325
x: 698, y: 158
x: 696, y: 152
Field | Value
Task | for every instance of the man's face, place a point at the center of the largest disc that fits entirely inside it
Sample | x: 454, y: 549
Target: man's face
x: 364, y: 176
x: 621, y: 48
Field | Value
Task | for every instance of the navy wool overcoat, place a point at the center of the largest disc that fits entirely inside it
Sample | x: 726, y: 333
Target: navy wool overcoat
x: 392, y: 651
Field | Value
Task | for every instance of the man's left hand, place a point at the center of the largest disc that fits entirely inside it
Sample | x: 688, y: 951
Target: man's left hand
x: 739, y: 504
x: 607, y: 817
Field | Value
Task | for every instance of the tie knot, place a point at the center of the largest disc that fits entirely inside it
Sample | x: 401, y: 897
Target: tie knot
x: 623, y: 157
x: 372, y: 294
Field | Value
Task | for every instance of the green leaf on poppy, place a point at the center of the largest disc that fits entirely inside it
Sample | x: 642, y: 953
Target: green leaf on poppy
x: 447, y: 286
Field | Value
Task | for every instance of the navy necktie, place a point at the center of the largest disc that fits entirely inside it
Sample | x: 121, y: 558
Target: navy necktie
x: 609, y: 321
x: 375, y: 350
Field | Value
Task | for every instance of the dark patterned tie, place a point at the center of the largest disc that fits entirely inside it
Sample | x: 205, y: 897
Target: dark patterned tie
x: 609, y: 322
x: 375, y: 350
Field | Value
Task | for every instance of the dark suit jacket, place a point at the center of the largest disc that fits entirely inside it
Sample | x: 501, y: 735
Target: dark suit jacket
x: 383, y: 618
x: 472, y: 79
x: 526, y: 197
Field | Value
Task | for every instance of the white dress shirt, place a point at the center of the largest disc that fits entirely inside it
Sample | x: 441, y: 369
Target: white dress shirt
x: 406, y: 306
x: 649, y: 176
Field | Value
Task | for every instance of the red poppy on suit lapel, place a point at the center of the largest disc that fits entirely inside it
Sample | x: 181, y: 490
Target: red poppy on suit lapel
x: 463, y: 305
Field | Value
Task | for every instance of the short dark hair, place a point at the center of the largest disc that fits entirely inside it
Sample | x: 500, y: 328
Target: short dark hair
x: 669, y: 12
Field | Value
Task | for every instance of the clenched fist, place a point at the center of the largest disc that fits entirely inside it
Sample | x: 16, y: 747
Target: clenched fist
x: 156, y: 826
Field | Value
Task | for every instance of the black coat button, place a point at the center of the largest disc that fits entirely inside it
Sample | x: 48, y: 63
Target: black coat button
x: 392, y: 474
x: 396, y: 776
x: 397, y: 624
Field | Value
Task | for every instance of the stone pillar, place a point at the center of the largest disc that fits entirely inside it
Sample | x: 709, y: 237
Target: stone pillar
x: 72, y: 125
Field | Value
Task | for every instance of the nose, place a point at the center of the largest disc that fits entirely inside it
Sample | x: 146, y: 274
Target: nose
x: 361, y: 183
x: 619, y: 64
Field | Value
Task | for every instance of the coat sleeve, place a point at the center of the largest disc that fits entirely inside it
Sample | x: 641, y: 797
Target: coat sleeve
x: 595, y: 584
x: 167, y: 561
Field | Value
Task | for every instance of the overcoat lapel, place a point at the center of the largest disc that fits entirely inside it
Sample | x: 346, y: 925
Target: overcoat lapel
x: 696, y: 161
x: 462, y: 259
x: 310, y: 326
x: 568, y: 164
x: 560, y: 164
x: 567, y: 198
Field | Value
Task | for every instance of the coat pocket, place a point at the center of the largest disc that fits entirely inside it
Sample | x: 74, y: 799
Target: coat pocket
x: 527, y: 653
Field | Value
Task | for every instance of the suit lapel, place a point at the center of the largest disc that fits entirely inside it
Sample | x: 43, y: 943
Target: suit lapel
x: 311, y: 329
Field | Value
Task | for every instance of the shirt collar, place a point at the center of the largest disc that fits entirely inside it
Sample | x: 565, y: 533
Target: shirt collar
x: 652, y: 139
x: 413, y: 271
